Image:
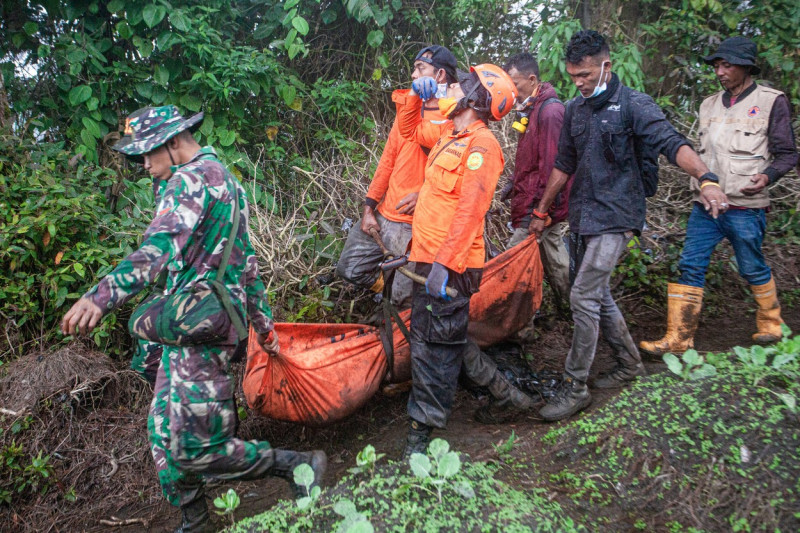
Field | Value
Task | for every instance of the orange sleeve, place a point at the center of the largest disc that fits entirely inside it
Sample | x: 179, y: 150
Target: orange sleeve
x: 412, y: 127
x: 380, y: 180
x: 477, y: 189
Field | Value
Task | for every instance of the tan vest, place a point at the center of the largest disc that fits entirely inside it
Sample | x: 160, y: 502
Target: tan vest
x: 734, y: 143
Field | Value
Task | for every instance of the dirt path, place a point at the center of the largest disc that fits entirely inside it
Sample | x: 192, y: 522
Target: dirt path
x: 382, y: 422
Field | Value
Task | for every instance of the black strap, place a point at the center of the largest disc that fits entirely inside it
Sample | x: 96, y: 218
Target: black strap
x: 550, y: 100
x: 386, y: 331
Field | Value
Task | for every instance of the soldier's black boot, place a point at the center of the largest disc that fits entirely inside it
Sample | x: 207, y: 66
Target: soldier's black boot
x: 419, y: 435
x: 194, y: 513
x: 510, y: 403
x: 287, y: 460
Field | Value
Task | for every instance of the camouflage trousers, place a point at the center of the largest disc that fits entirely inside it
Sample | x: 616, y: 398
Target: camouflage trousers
x: 147, y: 359
x: 192, y: 422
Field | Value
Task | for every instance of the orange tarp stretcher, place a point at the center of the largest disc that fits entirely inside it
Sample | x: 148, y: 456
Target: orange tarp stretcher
x: 325, y: 372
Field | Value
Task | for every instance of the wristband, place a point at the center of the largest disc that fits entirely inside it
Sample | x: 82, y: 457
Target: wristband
x: 540, y: 216
x: 707, y: 183
x: 709, y: 176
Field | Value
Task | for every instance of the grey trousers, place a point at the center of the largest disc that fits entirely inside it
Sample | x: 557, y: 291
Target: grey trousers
x: 594, y: 309
x: 554, y: 254
x: 361, y: 257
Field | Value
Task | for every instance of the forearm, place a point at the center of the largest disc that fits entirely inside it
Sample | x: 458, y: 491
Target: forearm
x: 687, y: 159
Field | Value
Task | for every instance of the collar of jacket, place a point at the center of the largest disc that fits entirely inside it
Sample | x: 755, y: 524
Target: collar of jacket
x: 726, y: 96
x: 472, y: 128
x: 206, y: 150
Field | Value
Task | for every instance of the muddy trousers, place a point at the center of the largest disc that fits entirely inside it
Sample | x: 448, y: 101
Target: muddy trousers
x: 438, y: 340
x: 192, y: 424
x: 360, y: 261
x: 594, y: 309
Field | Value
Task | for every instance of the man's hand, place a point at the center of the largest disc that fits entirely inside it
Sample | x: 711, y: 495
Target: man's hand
x: 714, y: 200
x: 368, y: 220
x: 436, y: 283
x: 536, y: 227
x: 759, y: 181
x: 425, y: 87
x: 506, y: 191
x: 269, y: 342
x: 407, y: 204
x: 82, y: 317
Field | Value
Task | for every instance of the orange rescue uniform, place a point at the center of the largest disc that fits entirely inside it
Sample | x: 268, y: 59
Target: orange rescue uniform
x: 461, y: 174
x: 401, y: 169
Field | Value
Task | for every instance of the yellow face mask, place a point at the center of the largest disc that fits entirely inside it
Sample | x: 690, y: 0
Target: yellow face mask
x: 447, y: 105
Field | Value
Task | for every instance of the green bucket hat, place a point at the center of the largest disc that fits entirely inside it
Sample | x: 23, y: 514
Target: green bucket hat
x: 150, y: 127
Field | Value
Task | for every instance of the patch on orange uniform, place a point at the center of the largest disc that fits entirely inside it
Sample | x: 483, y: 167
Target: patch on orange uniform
x: 474, y: 161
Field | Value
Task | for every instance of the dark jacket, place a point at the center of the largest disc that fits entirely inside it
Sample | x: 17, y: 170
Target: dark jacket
x: 597, y: 147
x: 536, y: 152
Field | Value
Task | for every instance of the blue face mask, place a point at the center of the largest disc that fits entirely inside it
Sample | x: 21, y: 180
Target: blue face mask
x: 600, y: 88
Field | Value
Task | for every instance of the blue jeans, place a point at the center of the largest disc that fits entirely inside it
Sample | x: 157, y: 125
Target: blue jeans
x: 744, y: 229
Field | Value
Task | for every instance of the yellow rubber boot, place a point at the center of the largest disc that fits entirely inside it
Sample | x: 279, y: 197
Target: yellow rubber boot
x: 768, y: 315
x: 683, y: 313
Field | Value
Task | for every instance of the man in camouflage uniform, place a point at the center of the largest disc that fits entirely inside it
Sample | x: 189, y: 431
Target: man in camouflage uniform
x: 192, y: 417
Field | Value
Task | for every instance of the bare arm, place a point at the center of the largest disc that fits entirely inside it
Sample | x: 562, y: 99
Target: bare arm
x: 558, y: 178
x: 711, y: 195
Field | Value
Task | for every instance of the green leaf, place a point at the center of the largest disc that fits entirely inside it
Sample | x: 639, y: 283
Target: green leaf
x: 692, y: 358
x: 782, y: 359
x: 79, y: 94
x: 362, y: 526
x: 420, y: 465
x: 673, y: 363
x: 191, y: 102
x: 79, y: 270
x: 288, y: 93
x: 207, y: 126
x: 161, y: 75
x: 758, y: 355
x: 464, y: 489
x: 92, y: 127
x: 742, y: 353
x: 294, y: 49
x: 290, y: 4
x: 43, y: 51
x: 438, y: 447
x: 115, y: 6
x: 124, y: 29
x: 304, y: 502
x: 375, y: 38
x: 789, y: 400
x: 226, y: 137
x: 344, y: 508
x: 328, y: 16
x: 449, y: 465
x: 145, y: 89
x: 704, y: 371
x: 152, y: 14
x: 180, y: 21
x: 300, y: 24
x: 304, y: 475
x: 30, y: 27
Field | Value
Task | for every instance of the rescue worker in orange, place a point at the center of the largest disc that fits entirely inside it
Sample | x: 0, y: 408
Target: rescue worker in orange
x: 392, y: 194
x: 461, y: 174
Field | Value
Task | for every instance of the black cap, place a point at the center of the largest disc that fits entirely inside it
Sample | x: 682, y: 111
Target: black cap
x: 736, y: 51
x: 441, y: 57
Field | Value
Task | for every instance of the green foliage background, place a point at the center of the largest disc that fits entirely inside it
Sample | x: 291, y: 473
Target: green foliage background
x: 283, y: 85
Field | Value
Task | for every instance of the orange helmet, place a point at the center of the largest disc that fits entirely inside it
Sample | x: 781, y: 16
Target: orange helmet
x: 502, y: 91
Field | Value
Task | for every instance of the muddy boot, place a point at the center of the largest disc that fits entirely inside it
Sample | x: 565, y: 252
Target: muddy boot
x: 419, y: 435
x: 287, y: 460
x: 768, y: 315
x: 510, y: 403
x: 629, y: 362
x: 620, y: 377
x: 194, y: 513
x: 572, y: 396
x: 683, y: 313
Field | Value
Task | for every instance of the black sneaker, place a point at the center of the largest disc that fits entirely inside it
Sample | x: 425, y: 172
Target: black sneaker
x: 572, y: 396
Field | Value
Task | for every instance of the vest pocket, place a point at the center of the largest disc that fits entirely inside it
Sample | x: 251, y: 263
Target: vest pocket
x: 747, y: 138
x: 445, y: 176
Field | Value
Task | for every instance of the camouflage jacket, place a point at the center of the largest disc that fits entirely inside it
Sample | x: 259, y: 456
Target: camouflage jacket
x: 187, y: 236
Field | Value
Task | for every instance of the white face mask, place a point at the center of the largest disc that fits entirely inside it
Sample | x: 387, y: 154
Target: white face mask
x: 601, y: 87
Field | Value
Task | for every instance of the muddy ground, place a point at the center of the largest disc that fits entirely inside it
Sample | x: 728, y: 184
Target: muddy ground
x: 728, y: 320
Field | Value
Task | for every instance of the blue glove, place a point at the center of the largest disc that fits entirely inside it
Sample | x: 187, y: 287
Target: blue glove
x: 425, y: 87
x: 437, y: 282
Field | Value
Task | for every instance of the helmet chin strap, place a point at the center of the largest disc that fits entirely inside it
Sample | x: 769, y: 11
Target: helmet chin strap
x: 171, y: 159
